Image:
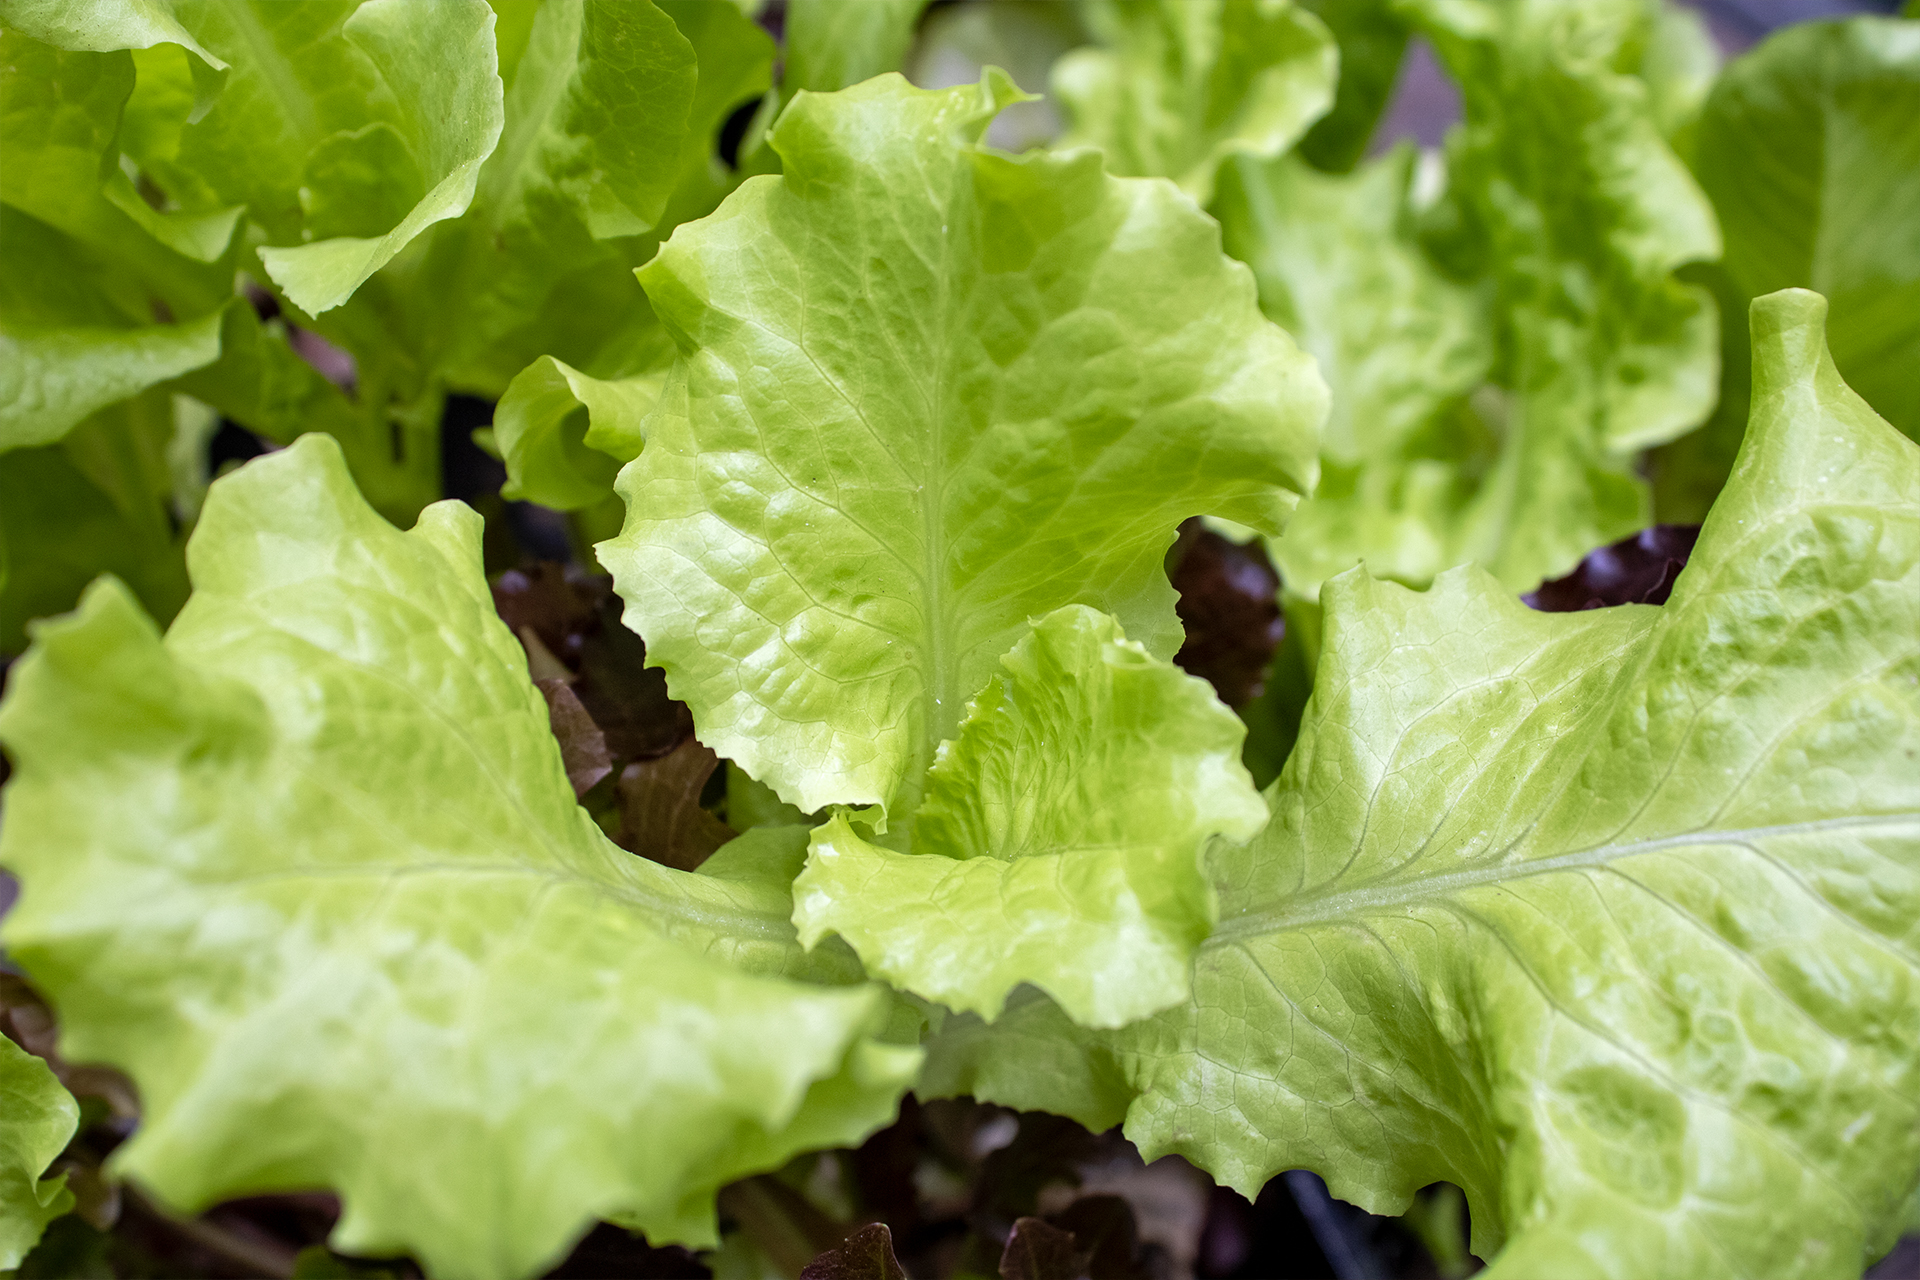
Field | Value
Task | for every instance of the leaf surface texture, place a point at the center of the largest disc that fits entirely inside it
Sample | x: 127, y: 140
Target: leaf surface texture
x: 310, y: 870
x: 1607, y: 917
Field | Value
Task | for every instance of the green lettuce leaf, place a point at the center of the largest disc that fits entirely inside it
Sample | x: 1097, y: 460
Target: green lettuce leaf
x: 1678, y: 67
x: 1061, y: 840
x: 311, y: 872
x: 142, y: 25
x: 97, y: 502
x: 564, y: 435
x: 1606, y: 917
x: 597, y: 132
x: 1809, y: 150
x: 60, y: 117
x: 1181, y: 85
x: 1400, y: 345
x: 957, y: 42
x: 88, y: 299
x: 736, y: 66
x: 50, y: 379
x: 262, y: 384
x: 831, y: 45
x: 926, y: 393
x: 344, y: 131
x: 1563, y: 191
x: 367, y: 191
x: 107, y: 25
x: 1372, y: 40
x: 37, y: 1118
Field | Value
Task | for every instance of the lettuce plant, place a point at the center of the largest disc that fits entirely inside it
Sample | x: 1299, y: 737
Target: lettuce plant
x: 884, y: 435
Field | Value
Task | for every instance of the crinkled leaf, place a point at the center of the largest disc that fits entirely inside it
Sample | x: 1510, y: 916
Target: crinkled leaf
x: 436, y: 63
x: 204, y: 237
x: 564, y: 435
x: 329, y: 106
x: 601, y: 69
x: 1181, y: 85
x: 929, y: 392
x: 958, y: 42
x: 1061, y: 841
x: 37, y: 1118
x: 87, y: 298
x: 60, y: 119
x: 1607, y: 917
x: 736, y: 66
x: 1580, y: 212
x: 310, y: 870
x: 1811, y: 153
x: 597, y: 122
x: 149, y: 27
x: 1400, y: 346
x: 830, y: 45
x: 524, y: 268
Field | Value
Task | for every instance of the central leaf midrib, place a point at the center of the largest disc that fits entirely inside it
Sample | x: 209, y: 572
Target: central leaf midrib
x: 934, y: 532
x: 1330, y: 904
x: 739, y: 922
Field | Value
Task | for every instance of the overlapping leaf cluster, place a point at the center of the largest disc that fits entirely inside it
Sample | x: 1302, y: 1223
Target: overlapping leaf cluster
x: 1605, y: 917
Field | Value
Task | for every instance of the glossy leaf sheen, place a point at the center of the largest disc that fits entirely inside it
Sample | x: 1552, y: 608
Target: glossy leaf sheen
x: 311, y: 872
x: 1061, y: 839
x: 926, y: 393
x: 1607, y: 917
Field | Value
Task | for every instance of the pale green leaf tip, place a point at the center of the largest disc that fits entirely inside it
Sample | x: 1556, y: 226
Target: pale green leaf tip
x: 1789, y: 334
